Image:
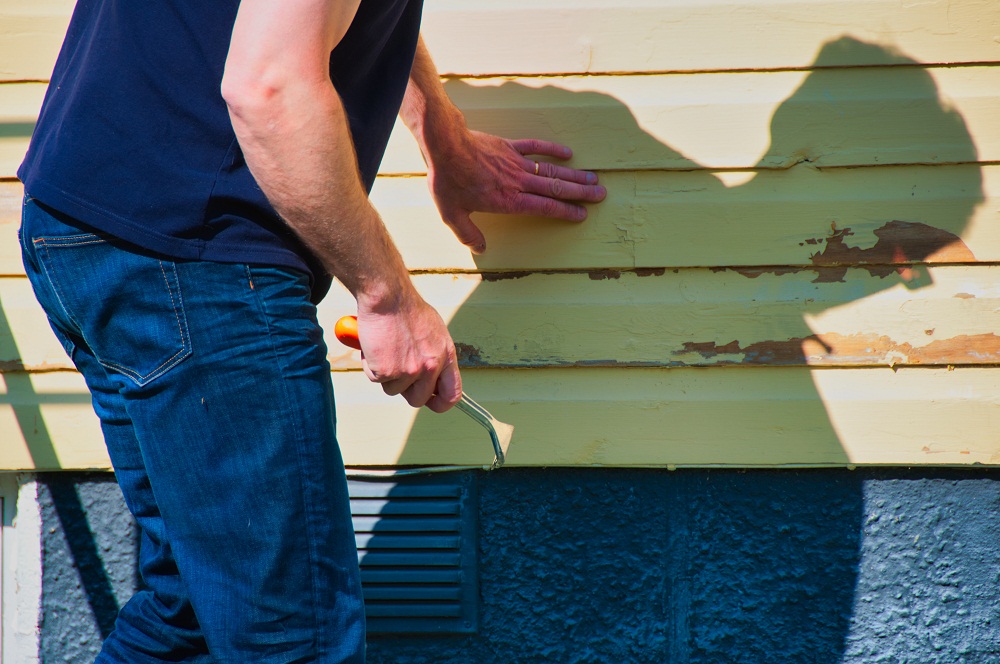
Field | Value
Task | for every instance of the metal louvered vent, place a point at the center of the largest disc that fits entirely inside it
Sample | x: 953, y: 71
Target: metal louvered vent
x: 416, y: 541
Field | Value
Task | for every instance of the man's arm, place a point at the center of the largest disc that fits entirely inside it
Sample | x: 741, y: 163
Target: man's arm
x: 470, y: 171
x: 294, y: 133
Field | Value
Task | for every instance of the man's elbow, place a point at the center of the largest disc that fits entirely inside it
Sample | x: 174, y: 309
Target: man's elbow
x: 248, y: 96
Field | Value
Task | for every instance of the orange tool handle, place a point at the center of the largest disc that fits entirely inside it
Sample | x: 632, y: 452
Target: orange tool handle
x: 346, y: 331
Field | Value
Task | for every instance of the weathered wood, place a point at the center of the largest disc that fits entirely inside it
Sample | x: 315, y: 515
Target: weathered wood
x: 594, y: 36
x: 613, y: 417
x: 701, y: 317
x: 746, y: 169
x: 837, y: 117
x: 797, y: 217
x: 662, y: 318
x: 770, y: 417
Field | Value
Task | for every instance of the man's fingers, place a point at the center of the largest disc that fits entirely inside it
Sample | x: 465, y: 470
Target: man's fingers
x: 547, y: 170
x: 421, y: 391
x: 448, y: 391
x: 564, y: 190
x: 528, y: 146
x: 545, y: 206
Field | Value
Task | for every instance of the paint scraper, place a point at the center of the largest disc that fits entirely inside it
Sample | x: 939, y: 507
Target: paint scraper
x: 346, y: 331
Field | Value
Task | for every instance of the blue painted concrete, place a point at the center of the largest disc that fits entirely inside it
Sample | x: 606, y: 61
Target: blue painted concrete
x: 89, y: 554
x: 721, y: 566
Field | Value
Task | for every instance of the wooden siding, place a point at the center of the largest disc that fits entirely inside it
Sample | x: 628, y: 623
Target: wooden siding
x: 796, y: 263
x: 939, y: 316
x: 755, y: 120
x: 642, y: 417
x: 527, y: 37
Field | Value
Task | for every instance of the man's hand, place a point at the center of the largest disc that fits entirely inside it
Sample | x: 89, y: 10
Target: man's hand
x: 470, y: 171
x: 410, y: 352
x: 485, y: 173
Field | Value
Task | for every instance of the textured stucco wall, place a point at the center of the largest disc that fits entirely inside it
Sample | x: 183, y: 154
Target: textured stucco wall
x: 655, y: 566
x: 89, y: 553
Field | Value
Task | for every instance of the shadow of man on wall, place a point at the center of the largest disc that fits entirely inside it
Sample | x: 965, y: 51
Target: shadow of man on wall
x: 706, y: 565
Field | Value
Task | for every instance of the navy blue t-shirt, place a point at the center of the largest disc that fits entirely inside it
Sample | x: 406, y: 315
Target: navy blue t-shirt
x: 134, y: 137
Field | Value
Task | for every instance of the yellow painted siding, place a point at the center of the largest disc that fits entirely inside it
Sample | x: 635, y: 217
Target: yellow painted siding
x: 941, y: 316
x: 543, y: 38
x: 800, y: 216
x: 796, y: 263
x: 643, y: 417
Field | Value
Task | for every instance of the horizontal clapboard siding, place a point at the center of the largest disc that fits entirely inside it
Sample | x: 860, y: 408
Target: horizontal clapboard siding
x: 738, y: 417
x: 691, y: 219
x: 795, y: 264
x: 838, y: 117
x: 416, y: 540
x: 711, y: 317
x: 877, y: 116
x: 669, y: 318
x: 593, y: 36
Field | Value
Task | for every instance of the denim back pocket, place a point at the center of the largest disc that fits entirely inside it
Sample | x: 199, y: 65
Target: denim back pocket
x: 126, y: 306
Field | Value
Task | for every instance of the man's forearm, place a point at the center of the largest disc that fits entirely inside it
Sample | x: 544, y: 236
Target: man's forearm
x: 427, y: 111
x: 294, y: 133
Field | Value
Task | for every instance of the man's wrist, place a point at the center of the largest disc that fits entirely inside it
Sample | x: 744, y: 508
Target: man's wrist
x: 384, y: 296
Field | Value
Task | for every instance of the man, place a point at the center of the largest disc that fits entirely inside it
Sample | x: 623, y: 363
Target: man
x: 198, y: 172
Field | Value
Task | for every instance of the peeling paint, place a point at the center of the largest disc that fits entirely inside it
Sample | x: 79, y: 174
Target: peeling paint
x: 898, y: 242
x: 868, y: 349
x: 469, y: 355
x: 761, y: 352
x: 503, y: 276
x: 599, y: 275
x: 18, y: 366
x: 753, y: 273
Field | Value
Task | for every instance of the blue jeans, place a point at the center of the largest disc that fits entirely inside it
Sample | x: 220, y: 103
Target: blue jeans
x: 214, y: 395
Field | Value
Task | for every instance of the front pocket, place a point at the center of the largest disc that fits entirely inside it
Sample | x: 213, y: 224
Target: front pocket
x: 127, y: 306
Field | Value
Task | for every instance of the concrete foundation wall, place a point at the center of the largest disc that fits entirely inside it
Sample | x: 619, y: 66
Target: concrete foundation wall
x: 689, y: 566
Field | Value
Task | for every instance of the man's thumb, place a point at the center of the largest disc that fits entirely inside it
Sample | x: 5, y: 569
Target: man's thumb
x: 466, y: 231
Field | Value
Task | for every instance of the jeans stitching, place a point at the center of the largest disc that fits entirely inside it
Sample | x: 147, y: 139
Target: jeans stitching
x: 166, y: 365
x: 75, y: 241
x: 57, y: 289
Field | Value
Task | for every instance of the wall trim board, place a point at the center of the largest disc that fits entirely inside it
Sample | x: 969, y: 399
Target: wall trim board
x: 738, y: 417
x: 20, y: 569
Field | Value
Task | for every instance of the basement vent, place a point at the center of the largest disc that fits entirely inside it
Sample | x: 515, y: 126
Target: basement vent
x: 416, y: 541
